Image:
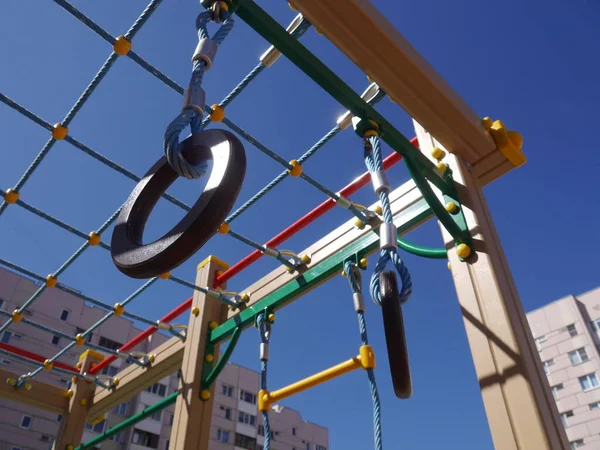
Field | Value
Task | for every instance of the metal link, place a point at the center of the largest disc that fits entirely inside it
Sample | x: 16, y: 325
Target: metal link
x: 122, y: 355
x: 273, y: 253
x: 163, y: 325
x: 343, y: 202
x: 264, y: 351
x: 194, y: 98
x: 269, y: 57
x: 380, y: 181
x: 388, y: 236
x: 206, y: 50
x: 359, y: 302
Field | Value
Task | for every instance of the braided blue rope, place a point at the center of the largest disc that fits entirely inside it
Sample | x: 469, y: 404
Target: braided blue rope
x: 191, y: 117
x: 374, y: 162
x: 354, y: 279
x: 264, y: 330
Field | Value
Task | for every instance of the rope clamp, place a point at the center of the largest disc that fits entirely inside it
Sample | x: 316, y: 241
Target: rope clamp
x: 206, y: 50
x: 359, y: 302
x: 344, y: 202
x: 264, y: 351
x: 380, y: 181
x: 194, y: 98
x: 163, y: 325
x: 269, y: 57
x: 268, y: 251
x: 388, y: 236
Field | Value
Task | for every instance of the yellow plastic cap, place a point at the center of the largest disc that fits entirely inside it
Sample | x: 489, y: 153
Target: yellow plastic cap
x: 115, y: 381
x: 59, y: 132
x: 152, y: 358
x: 79, y: 339
x: 83, y: 402
x: 487, y: 123
x: 451, y: 207
x: 122, y: 46
x: 224, y: 228
x: 195, y: 311
x: 74, y: 380
x: 165, y: 276
x: 271, y: 318
x: 364, y: 262
x: 367, y: 357
x: 463, y: 251
x: 438, y: 153
x: 205, y: 394
x: 11, y: 196
x: 209, y: 358
x: 51, y: 281
x: 443, y: 167
x: 16, y: 316
x: 305, y: 259
x: 94, y: 239
x: 212, y: 325
x: 449, y: 266
x: 378, y: 210
x: 369, y: 133
x: 69, y: 447
x: 359, y: 224
x: 218, y: 113
x: 118, y: 309
x: 245, y: 297
x: 296, y: 169
x: 69, y: 393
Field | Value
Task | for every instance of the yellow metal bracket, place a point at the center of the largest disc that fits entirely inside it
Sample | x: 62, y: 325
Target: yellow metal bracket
x: 365, y: 359
x: 509, y: 142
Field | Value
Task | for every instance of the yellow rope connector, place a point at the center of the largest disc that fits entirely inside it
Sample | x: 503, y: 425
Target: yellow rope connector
x: 59, y: 132
x: 205, y: 394
x: 271, y: 318
x: 367, y: 357
x: 118, y: 309
x: 51, y: 281
x: 212, y: 325
x: 378, y: 210
x: 364, y: 262
x: 296, y: 169
x: 195, y: 311
x: 223, y: 228
x: 451, y: 207
x: 372, y: 132
x: 94, y: 239
x: 122, y: 46
x: 16, y: 316
x: 79, y: 339
x: 463, y: 251
x: 263, y: 400
x: 209, y: 358
x: 48, y: 365
x: 438, y: 153
x: 443, y: 167
x: 11, y: 196
x: 218, y: 113
x: 83, y: 402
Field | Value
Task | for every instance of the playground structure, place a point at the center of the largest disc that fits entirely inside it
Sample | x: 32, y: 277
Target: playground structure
x: 454, y: 155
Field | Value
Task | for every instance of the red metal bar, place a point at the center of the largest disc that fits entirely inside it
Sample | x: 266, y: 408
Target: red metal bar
x: 144, y: 335
x: 313, y: 215
x: 35, y: 357
x: 254, y: 256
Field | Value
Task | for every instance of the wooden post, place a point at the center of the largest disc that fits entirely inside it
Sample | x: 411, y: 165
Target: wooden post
x: 193, y: 414
x: 73, y: 424
x: 520, y: 409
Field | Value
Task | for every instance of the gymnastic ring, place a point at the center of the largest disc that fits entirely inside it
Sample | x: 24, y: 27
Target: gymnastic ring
x: 395, y: 335
x: 138, y: 260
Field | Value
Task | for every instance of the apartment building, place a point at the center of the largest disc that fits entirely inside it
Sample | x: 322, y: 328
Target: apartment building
x: 567, y: 335
x: 236, y: 422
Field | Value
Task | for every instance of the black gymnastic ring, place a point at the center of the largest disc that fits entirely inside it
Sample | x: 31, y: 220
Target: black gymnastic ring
x: 138, y: 260
x: 395, y: 335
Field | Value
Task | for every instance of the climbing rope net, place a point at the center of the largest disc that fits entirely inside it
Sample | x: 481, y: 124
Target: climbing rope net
x: 196, y: 116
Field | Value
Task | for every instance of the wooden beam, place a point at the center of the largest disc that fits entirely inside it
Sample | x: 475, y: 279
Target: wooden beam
x: 194, y: 406
x: 521, y: 411
x: 73, y: 423
x: 134, y: 378
x: 367, y: 38
x: 41, y: 395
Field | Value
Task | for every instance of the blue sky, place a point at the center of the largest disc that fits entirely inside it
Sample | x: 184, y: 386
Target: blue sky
x: 530, y: 64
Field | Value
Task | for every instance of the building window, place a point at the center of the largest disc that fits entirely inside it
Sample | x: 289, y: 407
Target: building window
x: 167, y: 444
x: 157, y: 416
x: 157, y: 389
x: 111, y: 371
x: 227, y: 412
x: 98, y: 428
x: 574, y: 444
x: 88, y: 337
x: 1, y: 304
x: 294, y: 431
x: 120, y: 409
x: 64, y: 315
x: 55, y: 340
x: 547, y: 364
x: 244, y: 441
x: 320, y: 447
x: 578, y: 356
x: 145, y: 438
x: 555, y: 389
x: 247, y: 397
x: 564, y: 416
x: 117, y: 438
x: 6, y: 337
x: 26, y: 422
x: 16, y: 448
x: 572, y: 330
x: 109, y: 344
x: 5, y: 361
x: 595, y: 405
x: 227, y: 390
x: 171, y: 420
x: 222, y: 435
x: 59, y: 418
x: 308, y: 446
x: 589, y: 381
x: 248, y: 419
x: 261, y: 430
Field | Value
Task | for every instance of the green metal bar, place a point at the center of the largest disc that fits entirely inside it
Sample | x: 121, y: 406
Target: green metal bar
x: 411, y: 217
x: 460, y: 236
x: 167, y: 401
x: 270, y: 29
x: 419, y: 250
x: 212, y: 376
